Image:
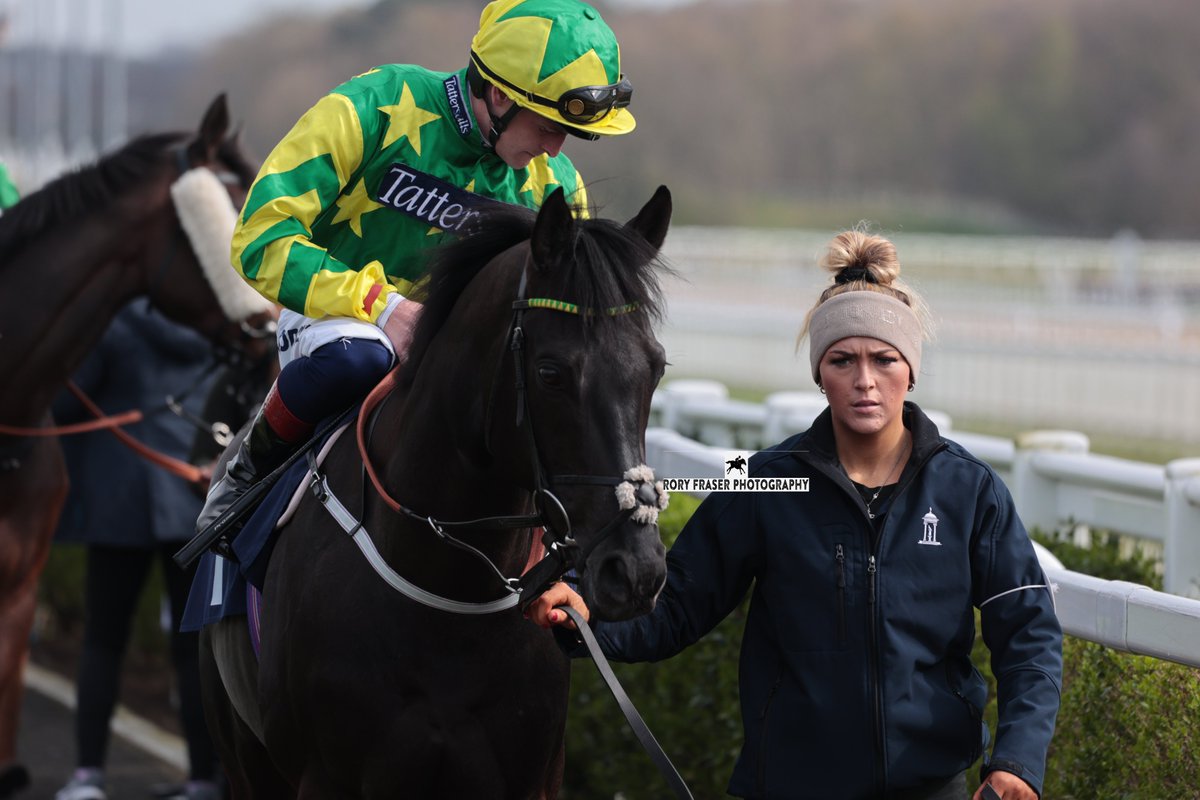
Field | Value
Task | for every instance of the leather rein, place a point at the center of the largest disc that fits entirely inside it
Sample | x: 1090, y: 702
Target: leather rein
x: 113, y: 423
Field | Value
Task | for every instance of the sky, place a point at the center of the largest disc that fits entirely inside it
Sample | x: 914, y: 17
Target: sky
x: 144, y: 27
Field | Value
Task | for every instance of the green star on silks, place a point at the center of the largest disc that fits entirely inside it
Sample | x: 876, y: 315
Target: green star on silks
x: 562, y: 42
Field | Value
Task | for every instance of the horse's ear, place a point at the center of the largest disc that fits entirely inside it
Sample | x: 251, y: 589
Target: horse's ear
x: 654, y: 218
x: 212, y: 131
x: 552, y: 232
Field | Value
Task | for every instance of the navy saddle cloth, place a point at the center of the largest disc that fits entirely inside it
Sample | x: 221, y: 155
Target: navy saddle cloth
x: 221, y: 586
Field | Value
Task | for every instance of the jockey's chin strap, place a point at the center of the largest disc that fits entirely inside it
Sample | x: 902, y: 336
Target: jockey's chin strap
x: 499, y: 122
x: 638, y: 497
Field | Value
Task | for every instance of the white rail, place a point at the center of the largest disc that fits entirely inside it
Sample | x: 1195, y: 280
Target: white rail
x: 1045, y: 332
x: 1054, y: 480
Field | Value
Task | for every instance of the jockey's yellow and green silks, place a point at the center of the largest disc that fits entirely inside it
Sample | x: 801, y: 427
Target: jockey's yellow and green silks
x: 312, y: 235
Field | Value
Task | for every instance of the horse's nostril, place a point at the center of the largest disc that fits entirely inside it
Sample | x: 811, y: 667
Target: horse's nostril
x: 614, y: 576
x: 620, y: 590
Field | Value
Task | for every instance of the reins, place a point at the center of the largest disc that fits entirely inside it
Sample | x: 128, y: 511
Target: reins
x: 113, y: 421
x: 182, y: 469
x: 638, y: 725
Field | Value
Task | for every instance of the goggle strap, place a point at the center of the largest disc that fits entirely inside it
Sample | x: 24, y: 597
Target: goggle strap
x: 536, y: 98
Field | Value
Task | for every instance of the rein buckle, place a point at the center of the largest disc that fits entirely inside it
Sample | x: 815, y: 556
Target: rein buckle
x: 318, y: 488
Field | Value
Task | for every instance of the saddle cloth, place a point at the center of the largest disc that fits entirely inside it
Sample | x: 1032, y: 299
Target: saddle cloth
x: 224, y: 588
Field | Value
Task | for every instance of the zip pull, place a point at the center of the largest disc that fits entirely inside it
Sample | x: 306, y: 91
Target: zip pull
x: 871, y: 570
x: 840, y: 557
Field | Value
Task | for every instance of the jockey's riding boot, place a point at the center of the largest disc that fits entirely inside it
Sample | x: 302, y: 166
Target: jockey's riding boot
x: 260, y: 452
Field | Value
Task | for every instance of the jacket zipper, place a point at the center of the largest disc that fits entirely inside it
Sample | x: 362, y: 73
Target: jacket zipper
x: 973, y: 713
x: 762, y: 738
x: 840, y: 557
x: 876, y: 683
x: 874, y: 541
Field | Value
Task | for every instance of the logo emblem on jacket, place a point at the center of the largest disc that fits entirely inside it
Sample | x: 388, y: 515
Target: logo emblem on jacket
x: 929, y: 524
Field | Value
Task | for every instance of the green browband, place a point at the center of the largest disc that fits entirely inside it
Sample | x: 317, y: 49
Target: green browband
x: 571, y: 308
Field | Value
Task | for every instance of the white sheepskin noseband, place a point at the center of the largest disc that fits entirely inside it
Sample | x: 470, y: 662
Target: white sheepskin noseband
x: 208, y: 216
x: 629, y: 495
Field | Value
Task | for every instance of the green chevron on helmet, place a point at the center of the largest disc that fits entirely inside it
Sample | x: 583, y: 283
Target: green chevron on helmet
x: 557, y: 58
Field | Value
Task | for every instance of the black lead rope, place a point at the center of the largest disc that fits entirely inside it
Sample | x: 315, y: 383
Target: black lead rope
x: 636, y: 723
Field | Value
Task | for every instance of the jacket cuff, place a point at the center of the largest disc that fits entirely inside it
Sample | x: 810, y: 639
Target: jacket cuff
x: 1012, y: 767
x: 394, y: 299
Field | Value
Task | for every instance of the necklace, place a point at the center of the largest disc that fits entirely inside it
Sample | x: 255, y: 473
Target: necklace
x: 875, y: 496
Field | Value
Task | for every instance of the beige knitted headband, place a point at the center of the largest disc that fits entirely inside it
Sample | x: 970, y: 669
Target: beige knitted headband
x: 865, y: 313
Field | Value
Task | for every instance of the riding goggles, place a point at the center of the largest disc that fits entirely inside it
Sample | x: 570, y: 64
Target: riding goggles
x: 587, y: 104
x: 584, y: 105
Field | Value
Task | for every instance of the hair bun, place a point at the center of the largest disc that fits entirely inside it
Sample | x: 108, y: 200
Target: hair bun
x: 859, y: 256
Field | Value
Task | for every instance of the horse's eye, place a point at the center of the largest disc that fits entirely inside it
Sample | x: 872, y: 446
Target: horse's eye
x: 550, y: 376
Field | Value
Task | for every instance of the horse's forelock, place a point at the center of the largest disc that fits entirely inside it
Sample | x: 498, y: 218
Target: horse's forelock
x: 612, y: 266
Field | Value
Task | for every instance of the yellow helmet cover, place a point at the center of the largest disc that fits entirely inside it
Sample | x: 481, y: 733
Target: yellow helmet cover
x: 557, y: 58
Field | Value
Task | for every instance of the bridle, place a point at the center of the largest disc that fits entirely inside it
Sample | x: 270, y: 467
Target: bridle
x: 563, y: 551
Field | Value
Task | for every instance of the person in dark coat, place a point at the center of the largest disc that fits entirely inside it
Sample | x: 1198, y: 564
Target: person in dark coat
x: 855, y: 676
x: 130, y: 513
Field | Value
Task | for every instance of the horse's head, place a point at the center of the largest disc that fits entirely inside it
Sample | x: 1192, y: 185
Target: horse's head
x: 188, y: 271
x: 590, y: 363
x: 532, y: 370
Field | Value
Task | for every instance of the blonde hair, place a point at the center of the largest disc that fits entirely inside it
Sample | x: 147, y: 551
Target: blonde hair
x: 865, y: 262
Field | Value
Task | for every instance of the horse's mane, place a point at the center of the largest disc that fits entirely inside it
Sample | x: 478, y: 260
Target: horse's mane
x: 94, y: 186
x: 611, y: 266
x: 83, y: 190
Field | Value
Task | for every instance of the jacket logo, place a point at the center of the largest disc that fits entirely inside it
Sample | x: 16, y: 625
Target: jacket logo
x: 458, y: 106
x: 929, y: 524
x: 431, y: 200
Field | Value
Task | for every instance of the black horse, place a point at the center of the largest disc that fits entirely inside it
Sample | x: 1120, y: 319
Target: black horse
x: 505, y: 403
x: 736, y: 464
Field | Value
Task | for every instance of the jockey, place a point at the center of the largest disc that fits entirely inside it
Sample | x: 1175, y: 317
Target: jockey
x: 388, y: 164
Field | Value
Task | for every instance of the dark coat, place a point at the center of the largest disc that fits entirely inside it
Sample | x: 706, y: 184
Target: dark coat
x: 855, y: 674
x: 117, y: 498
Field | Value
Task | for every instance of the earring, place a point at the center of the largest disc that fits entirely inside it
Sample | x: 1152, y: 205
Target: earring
x: 912, y: 386
x: 820, y: 388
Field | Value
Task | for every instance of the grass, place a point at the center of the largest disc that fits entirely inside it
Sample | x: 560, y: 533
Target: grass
x: 1149, y: 451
